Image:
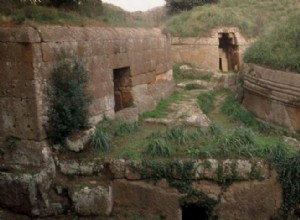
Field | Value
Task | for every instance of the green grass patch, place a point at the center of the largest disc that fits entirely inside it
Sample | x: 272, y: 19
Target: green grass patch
x: 101, y: 140
x: 237, y: 13
x: 158, y: 145
x: 238, y: 114
x: 190, y: 74
x: 161, y: 109
x: 85, y: 14
x: 206, y: 101
x: 279, y: 48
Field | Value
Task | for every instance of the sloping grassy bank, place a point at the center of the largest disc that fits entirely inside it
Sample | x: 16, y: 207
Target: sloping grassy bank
x: 279, y: 48
x: 250, y: 16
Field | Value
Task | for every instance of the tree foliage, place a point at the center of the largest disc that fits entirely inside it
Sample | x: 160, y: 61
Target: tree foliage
x: 181, y: 5
x: 69, y: 100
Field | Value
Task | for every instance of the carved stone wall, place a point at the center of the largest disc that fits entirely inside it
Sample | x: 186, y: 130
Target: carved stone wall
x: 272, y: 95
x: 204, y: 52
x: 28, y: 54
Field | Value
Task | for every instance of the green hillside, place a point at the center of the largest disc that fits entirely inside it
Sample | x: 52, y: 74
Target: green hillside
x: 278, y: 48
x: 251, y: 16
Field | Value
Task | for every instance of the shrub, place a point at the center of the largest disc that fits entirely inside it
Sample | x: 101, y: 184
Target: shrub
x: 158, y: 146
x: 69, y: 99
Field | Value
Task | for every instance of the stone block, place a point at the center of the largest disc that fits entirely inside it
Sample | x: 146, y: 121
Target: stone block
x: 78, y: 141
x: 116, y: 167
x: 21, y: 34
x: 251, y: 200
x: 93, y: 201
x: 147, y: 196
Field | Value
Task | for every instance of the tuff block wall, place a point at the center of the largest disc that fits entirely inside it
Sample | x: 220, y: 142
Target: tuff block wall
x: 204, y: 52
x: 272, y: 95
x: 28, y: 55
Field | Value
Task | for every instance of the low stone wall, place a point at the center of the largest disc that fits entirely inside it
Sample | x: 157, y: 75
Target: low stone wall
x: 28, y: 55
x: 204, y: 52
x: 272, y: 95
x: 99, y: 186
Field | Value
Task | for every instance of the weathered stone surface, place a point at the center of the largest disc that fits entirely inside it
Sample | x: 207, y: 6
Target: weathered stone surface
x: 8, y: 215
x: 73, y: 167
x: 238, y: 169
x: 210, y: 188
x: 128, y: 114
x: 251, y: 200
x: 28, y: 55
x: 93, y: 201
x: 78, y: 141
x: 131, y: 173
x: 227, y: 81
x: 204, y: 52
x: 147, y: 196
x: 116, y: 167
x: 272, y: 95
x: 28, y: 193
x: 199, y: 84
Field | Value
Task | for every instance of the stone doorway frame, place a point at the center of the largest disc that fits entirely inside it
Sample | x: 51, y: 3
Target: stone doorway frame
x: 228, y: 52
x: 122, y: 88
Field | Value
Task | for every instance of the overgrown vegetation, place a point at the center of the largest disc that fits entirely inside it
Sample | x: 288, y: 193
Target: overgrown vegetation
x: 279, y: 48
x: 108, y: 129
x: 181, y: 5
x: 189, y: 73
x: 237, y: 113
x: 237, y: 13
x: 158, y: 146
x: 206, y: 101
x: 88, y: 12
x: 69, y: 99
x: 288, y: 167
x: 101, y: 140
x: 161, y: 109
x: 178, y: 174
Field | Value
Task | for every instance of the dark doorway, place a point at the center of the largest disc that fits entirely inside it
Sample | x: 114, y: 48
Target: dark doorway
x: 122, y: 87
x: 195, y: 212
x: 228, y: 52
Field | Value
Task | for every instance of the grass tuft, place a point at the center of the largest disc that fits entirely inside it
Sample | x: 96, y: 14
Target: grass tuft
x: 158, y: 146
x: 206, y: 101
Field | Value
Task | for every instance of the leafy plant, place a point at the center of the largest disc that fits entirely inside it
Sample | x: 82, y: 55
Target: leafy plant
x: 69, y: 99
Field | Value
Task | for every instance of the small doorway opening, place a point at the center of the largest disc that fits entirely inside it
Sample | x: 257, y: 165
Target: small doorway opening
x: 228, y: 52
x: 195, y: 212
x: 122, y: 88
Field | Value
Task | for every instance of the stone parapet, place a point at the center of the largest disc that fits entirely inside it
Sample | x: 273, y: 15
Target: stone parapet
x: 272, y: 95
